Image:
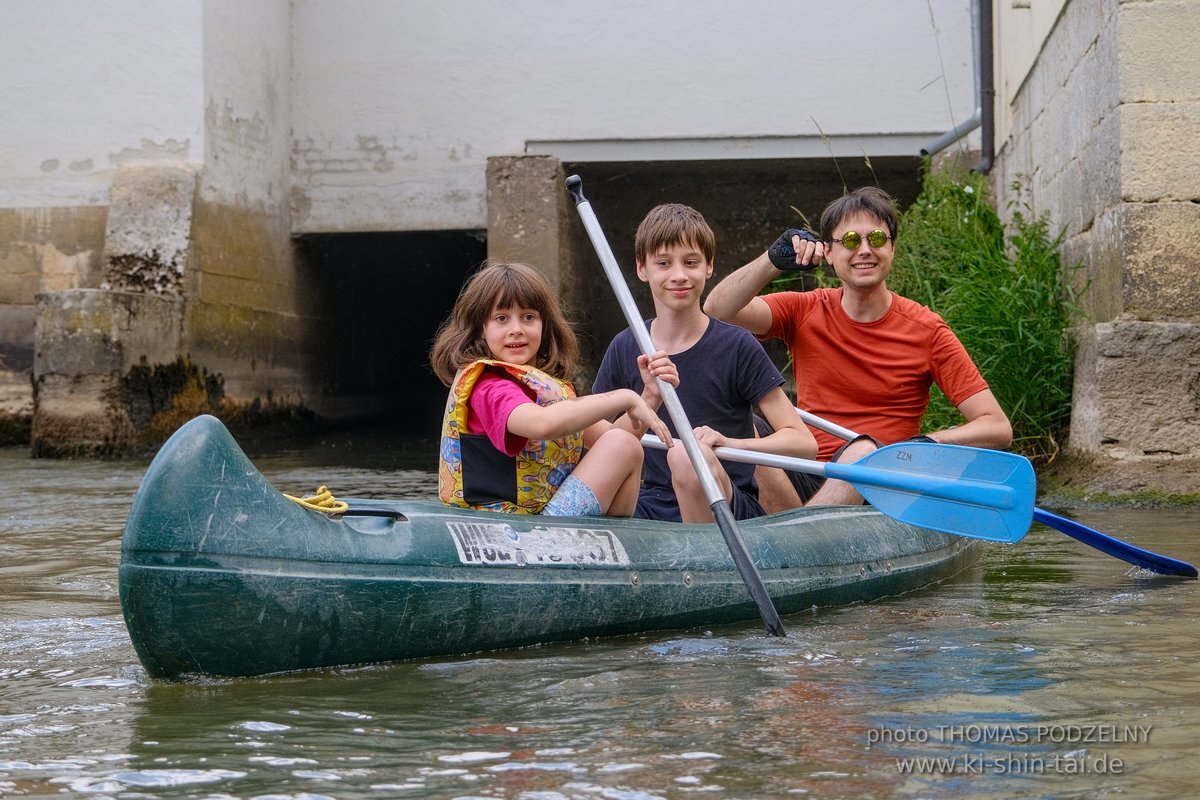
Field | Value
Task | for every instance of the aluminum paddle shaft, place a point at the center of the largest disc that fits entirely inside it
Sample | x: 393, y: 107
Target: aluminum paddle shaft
x: 712, y: 492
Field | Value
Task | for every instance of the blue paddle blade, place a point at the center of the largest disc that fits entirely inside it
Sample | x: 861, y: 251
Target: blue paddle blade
x: 968, y: 491
x: 1163, y: 565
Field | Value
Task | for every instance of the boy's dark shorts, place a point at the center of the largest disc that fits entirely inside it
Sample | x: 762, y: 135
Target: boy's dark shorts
x: 660, y: 504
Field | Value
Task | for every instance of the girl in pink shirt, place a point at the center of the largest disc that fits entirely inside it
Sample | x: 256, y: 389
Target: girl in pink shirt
x: 515, y: 437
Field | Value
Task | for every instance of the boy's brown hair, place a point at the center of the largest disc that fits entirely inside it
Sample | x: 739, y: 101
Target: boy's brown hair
x: 673, y: 224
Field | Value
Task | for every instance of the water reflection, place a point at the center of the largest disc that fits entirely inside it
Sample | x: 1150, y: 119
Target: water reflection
x: 1045, y: 633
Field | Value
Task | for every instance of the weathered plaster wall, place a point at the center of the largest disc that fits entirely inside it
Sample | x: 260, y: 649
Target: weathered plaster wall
x: 89, y: 87
x: 86, y: 89
x: 397, y: 106
x: 244, y: 318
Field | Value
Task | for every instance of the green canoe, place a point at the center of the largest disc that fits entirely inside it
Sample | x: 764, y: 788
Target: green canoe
x: 222, y: 575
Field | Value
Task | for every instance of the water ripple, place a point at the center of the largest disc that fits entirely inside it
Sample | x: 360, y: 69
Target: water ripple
x: 1045, y: 633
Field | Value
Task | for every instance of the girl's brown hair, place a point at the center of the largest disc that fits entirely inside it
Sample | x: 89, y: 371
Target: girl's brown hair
x: 460, y: 341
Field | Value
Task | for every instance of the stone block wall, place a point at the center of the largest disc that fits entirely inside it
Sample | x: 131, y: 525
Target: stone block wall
x: 1103, y: 140
x: 41, y: 250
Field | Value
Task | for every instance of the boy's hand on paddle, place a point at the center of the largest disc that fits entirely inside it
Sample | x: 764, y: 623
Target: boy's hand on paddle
x: 708, y: 436
x: 657, y: 365
x: 795, y: 249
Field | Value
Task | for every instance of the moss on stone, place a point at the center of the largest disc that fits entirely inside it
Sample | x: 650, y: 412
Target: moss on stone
x: 15, y: 429
x: 161, y: 398
x: 1078, y: 481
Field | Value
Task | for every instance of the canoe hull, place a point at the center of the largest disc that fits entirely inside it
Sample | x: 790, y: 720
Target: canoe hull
x: 222, y: 575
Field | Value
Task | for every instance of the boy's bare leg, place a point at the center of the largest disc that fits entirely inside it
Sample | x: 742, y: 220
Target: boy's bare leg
x: 689, y: 492
x: 775, y: 490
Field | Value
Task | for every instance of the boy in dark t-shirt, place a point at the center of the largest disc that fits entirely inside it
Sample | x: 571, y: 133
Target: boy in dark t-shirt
x: 722, y: 372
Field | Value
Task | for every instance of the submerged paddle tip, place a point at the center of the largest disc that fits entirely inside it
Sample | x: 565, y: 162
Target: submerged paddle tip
x: 1158, y: 564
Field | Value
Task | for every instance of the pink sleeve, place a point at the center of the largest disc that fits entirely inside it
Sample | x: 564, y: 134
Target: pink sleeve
x: 493, y: 399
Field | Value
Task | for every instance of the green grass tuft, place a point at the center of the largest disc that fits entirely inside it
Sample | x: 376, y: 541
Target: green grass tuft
x: 1003, y: 291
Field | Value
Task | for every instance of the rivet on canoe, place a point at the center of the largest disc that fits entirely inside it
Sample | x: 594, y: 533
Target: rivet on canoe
x: 862, y: 569
x: 634, y: 579
x: 687, y: 579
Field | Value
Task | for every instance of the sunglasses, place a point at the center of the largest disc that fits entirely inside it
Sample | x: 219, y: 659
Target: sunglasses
x: 852, y: 240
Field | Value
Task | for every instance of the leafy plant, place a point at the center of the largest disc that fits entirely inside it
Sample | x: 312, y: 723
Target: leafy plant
x: 1004, y: 293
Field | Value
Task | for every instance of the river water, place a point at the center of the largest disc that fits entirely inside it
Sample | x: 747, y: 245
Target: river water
x: 1048, y: 670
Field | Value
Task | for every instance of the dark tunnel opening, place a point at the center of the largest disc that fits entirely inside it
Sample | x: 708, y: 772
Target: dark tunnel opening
x: 376, y: 300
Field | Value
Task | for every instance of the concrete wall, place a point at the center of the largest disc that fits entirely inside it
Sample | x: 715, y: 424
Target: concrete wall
x: 166, y: 154
x: 398, y: 106
x: 246, y: 311
x: 1101, y: 132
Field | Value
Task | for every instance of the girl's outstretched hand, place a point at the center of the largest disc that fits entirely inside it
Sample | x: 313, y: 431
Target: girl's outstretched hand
x: 643, y: 418
x: 658, y: 365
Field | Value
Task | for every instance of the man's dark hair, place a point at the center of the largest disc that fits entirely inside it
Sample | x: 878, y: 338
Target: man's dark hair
x: 868, y: 199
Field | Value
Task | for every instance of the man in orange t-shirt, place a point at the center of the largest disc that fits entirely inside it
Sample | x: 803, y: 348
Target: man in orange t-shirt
x: 863, y: 356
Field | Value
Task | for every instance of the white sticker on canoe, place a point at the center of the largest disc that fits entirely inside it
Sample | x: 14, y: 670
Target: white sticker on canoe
x: 498, y: 544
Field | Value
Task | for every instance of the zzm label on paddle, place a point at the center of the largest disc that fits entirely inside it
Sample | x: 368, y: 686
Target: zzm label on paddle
x: 499, y: 544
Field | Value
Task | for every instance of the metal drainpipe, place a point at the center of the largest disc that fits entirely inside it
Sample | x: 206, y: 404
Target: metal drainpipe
x: 985, y: 94
x: 987, y: 86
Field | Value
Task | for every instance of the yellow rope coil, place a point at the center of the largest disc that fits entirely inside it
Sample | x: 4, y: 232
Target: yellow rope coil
x: 323, y: 501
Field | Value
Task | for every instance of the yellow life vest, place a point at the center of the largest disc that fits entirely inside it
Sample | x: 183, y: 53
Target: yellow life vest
x: 472, y: 473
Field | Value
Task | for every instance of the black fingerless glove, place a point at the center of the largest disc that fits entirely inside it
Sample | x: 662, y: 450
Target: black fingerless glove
x: 920, y: 438
x: 783, y: 255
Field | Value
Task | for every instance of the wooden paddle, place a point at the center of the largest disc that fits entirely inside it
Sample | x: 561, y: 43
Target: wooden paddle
x: 1163, y: 565
x: 712, y: 492
x: 984, y: 494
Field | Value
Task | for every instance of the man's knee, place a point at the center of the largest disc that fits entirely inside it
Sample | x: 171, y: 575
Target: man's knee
x: 855, y: 449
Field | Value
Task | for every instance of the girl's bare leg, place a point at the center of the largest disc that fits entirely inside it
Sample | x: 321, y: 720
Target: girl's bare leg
x: 612, y: 469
